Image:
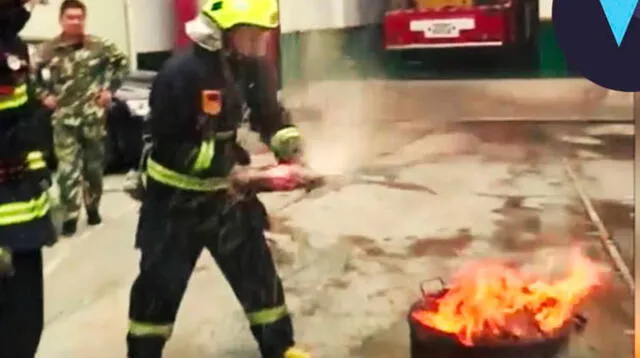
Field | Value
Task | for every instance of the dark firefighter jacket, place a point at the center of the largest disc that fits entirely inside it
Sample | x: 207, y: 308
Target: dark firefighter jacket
x: 196, y: 106
x: 25, y: 144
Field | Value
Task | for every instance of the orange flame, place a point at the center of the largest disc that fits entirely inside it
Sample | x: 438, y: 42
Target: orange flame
x: 490, y: 300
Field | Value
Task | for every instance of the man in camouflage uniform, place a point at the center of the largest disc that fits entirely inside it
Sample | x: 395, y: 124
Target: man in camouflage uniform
x: 76, y: 79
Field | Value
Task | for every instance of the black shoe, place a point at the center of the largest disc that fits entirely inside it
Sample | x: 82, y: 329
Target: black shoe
x: 69, y: 228
x: 93, y: 217
x: 145, y: 347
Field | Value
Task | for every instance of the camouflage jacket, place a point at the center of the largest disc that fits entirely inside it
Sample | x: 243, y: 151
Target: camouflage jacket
x: 76, y: 73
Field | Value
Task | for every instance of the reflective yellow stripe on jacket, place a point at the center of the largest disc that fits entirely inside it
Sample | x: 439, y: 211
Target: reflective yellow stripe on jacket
x: 25, y: 211
x: 181, y: 181
x: 205, y: 155
x: 207, y: 150
x: 16, y: 99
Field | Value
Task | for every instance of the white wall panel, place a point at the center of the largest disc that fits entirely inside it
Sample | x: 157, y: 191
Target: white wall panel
x: 106, y: 18
x: 545, y: 9
x: 304, y: 15
x: 153, y: 27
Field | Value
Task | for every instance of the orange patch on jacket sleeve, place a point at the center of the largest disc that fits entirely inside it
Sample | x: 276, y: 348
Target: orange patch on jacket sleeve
x: 211, y: 102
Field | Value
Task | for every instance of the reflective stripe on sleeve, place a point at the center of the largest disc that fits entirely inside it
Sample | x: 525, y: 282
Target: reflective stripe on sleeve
x: 267, y: 315
x: 35, y: 160
x: 143, y: 329
x: 22, y: 212
x: 18, y: 98
x: 177, y: 180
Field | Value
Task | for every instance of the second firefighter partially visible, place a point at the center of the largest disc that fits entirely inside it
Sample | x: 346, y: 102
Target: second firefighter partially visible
x: 199, y: 192
x: 25, y: 224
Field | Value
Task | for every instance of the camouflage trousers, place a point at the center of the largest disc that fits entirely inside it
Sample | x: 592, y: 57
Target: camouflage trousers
x: 80, y: 150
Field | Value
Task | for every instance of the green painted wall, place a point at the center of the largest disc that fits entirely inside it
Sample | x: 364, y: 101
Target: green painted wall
x: 552, y: 62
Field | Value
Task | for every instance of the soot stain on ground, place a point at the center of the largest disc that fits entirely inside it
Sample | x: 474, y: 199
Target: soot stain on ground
x: 614, y: 214
x: 278, y: 225
x: 369, y: 246
x: 618, y: 220
x: 519, y: 228
x: 620, y: 147
x: 441, y: 247
x: 281, y: 257
x: 391, y: 342
x: 521, y: 142
x: 418, y: 247
x: 532, y: 141
x: 610, y: 315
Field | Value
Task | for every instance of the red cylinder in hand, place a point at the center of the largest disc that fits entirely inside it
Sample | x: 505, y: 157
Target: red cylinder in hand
x: 282, y: 177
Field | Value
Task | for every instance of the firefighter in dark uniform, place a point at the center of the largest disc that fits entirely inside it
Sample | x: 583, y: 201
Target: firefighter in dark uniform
x: 25, y: 225
x: 196, y: 184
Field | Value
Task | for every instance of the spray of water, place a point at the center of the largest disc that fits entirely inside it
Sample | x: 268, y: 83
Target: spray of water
x: 340, y: 139
x: 342, y: 136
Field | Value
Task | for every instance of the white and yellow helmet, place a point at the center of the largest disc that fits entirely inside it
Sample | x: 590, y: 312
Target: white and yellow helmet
x: 229, y: 13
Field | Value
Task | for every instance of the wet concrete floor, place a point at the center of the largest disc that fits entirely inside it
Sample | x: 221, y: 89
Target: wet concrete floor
x: 352, y: 256
x: 520, y: 229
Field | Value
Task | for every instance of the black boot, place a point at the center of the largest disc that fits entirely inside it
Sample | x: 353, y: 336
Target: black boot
x: 275, y: 338
x: 93, y: 217
x: 69, y: 227
x: 145, y: 347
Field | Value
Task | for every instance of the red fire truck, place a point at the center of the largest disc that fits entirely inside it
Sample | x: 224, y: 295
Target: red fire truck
x: 506, y: 28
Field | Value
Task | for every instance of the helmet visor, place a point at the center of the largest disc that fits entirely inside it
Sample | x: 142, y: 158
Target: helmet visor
x: 249, y: 41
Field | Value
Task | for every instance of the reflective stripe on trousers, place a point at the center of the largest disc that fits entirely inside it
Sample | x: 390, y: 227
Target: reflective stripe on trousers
x: 16, y: 99
x: 141, y: 329
x: 267, y: 315
x: 186, y: 182
x: 257, y: 318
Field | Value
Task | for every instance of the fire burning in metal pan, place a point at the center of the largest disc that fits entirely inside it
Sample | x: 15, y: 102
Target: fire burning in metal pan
x: 489, y: 302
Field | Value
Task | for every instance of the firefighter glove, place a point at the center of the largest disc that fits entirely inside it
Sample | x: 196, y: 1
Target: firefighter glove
x: 243, y: 179
x: 286, y: 145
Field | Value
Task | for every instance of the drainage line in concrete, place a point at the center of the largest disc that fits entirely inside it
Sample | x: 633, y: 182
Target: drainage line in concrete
x: 604, y: 236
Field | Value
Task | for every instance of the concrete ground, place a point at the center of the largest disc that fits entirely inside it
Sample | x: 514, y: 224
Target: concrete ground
x: 422, y: 202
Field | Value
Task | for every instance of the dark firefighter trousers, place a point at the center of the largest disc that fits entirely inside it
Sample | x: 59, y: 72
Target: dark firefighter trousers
x: 21, y: 311
x: 172, y: 232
